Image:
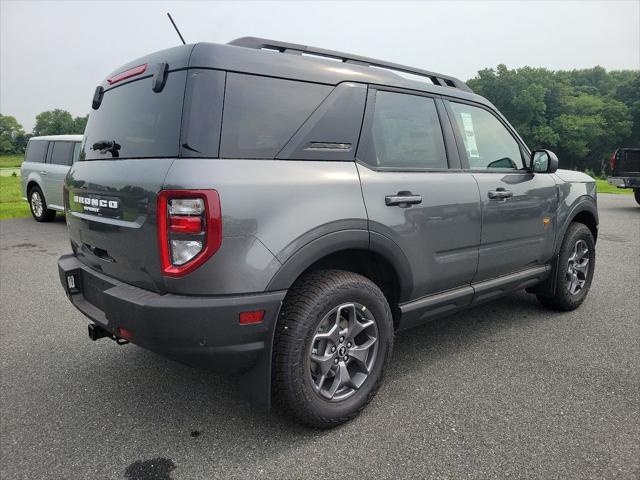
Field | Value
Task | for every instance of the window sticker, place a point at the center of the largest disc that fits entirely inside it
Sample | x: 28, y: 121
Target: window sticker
x: 469, y: 135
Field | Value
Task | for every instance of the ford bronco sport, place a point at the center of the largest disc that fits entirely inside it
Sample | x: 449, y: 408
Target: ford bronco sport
x: 280, y: 211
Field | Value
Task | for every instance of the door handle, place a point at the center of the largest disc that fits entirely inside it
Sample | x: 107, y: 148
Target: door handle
x: 402, y: 199
x: 500, y: 193
x: 42, y: 172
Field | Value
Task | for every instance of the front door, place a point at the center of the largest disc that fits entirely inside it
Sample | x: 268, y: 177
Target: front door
x: 412, y: 196
x: 518, y: 206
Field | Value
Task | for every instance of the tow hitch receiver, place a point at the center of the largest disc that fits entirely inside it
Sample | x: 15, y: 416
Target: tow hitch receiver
x: 96, y: 332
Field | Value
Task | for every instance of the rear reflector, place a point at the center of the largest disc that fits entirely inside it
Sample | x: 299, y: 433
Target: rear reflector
x: 124, y: 333
x: 247, y: 318
x: 132, y: 72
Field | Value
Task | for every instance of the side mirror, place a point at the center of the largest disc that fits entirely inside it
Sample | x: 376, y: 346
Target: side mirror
x: 543, y: 161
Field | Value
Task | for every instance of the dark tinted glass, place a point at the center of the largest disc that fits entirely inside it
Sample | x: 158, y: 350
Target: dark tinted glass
x: 487, y: 142
x: 406, y: 132
x: 36, y: 151
x: 261, y: 114
x: 62, y: 153
x: 142, y: 122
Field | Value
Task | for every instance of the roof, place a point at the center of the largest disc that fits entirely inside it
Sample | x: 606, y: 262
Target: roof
x: 60, y: 138
x: 299, y: 62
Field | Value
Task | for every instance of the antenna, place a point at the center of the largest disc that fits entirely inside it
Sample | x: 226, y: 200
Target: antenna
x: 176, y: 27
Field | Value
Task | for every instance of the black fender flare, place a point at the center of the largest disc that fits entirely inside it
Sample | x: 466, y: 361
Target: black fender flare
x: 334, y: 242
x: 585, y: 203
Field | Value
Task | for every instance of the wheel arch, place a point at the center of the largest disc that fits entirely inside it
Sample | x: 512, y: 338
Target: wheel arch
x: 380, y: 260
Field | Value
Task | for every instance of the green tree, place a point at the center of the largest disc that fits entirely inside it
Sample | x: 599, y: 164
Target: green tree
x: 58, y: 122
x: 582, y: 114
x: 11, y: 136
x: 80, y: 123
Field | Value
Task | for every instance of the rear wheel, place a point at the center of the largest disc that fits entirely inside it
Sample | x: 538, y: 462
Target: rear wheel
x: 334, y: 339
x: 38, y: 206
x: 576, y: 265
x: 636, y: 194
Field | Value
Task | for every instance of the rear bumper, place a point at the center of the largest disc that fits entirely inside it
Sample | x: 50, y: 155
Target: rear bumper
x: 625, y: 182
x: 199, y: 331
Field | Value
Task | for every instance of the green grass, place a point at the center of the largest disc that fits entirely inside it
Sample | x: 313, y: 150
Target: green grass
x: 603, y: 187
x: 11, y: 203
x: 11, y: 160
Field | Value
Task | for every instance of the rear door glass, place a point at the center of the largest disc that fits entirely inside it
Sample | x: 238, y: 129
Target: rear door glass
x: 62, y: 153
x: 261, y: 114
x: 141, y: 122
x: 406, y: 133
x: 36, y: 151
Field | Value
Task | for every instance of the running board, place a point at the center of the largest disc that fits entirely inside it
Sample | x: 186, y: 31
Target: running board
x: 427, y: 308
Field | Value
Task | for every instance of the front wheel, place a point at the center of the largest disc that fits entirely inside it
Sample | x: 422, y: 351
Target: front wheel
x: 576, y: 264
x: 636, y: 194
x: 333, y: 341
x: 38, y: 206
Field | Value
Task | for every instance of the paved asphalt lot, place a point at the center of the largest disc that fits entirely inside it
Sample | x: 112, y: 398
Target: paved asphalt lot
x: 507, y: 390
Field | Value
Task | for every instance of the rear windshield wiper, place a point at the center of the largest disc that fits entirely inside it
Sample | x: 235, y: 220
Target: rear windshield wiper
x: 107, y: 146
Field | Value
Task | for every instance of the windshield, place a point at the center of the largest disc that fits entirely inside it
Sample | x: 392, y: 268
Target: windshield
x: 133, y: 121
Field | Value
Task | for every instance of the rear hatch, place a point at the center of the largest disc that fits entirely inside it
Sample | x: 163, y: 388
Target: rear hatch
x: 131, y: 140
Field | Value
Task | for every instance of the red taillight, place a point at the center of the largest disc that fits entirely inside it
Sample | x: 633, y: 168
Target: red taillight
x: 182, y: 224
x: 613, y: 161
x: 189, y: 229
x: 132, y: 72
x: 247, y: 318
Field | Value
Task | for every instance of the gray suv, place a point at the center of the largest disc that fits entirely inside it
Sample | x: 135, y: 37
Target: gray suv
x: 281, y: 211
x: 46, y: 163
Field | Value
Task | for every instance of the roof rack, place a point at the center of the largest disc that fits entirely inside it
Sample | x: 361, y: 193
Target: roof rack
x: 295, y: 49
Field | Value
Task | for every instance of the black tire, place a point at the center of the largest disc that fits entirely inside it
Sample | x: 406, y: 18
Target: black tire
x: 564, y: 299
x: 636, y: 194
x: 42, y: 214
x: 307, y: 305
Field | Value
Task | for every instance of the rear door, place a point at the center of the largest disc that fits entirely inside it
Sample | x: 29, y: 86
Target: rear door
x: 518, y: 206
x: 59, y: 159
x: 33, y: 167
x: 130, y: 142
x: 416, y: 194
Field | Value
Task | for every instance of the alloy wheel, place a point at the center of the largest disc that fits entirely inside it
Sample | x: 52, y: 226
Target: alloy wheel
x: 343, y: 351
x: 577, y: 268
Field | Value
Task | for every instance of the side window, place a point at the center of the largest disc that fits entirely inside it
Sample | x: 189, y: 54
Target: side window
x: 406, y: 133
x: 76, y: 152
x: 62, y: 153
x: 261, y: 114
x: 487, y: 142
x: 36, y: 151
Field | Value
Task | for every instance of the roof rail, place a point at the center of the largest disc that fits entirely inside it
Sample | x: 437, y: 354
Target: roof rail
x: 295, y: 49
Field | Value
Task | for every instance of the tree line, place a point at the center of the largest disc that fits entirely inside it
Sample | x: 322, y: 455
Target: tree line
x: 583, y: 115
x: 13, y: 139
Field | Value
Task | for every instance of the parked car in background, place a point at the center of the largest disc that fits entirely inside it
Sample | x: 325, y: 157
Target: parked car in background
x: 290, y: 234
x: 625, y: 170
x: 45, y: 165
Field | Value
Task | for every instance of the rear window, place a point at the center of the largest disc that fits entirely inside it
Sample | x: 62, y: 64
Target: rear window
x: 144, y: 124
x: 62, y: 153
x: 36, y: 151
x: 261, y: 114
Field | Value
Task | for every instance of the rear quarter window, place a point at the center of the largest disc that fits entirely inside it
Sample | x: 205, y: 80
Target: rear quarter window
x: 36, y: 151
x: 62, y: 153
x: 261, y: 114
